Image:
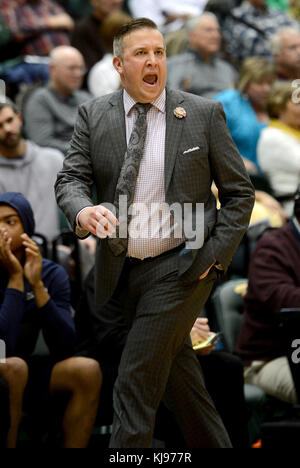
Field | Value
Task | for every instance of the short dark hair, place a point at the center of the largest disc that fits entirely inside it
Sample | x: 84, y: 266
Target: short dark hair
x: 134, y: 25
x: 10, y: 104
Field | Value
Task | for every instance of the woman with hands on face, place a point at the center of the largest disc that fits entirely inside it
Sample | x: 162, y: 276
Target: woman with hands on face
x: 34, y: 297
x: 28, y: 253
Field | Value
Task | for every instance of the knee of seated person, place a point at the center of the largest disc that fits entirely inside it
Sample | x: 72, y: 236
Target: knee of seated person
x: 15, y: 371
x: 84, y: 373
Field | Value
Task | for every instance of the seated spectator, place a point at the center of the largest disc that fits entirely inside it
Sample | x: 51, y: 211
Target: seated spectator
x: 111, y: 25
x: 87, y: 36
x: 248, y: 28
x: 103, y: 337
x: 169, y: 15
x: 103, y: 78
x: 278, y: 4
x: 274, y: 283
x: 218, y: 368
x: 266, y: 207
x: 285, y: 47
x: 4, y: 410
x: 34, y: 296
x: 38, y: 25
x: 245, y: 107
x: 26, y: 167
x: 199, y: 70
x: 8, y: 49
x: 78, y: 9
x: 279, y: 145
x: 294, y: 9
x: 50, y: 112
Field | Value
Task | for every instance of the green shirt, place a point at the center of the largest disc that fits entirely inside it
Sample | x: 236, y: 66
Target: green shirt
x: 278, y: 4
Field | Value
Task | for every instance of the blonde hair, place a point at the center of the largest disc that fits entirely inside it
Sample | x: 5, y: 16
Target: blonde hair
x: 254, y: 69
x: 281, y: 93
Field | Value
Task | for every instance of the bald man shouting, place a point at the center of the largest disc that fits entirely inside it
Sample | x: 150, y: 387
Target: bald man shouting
x: 50, y: 111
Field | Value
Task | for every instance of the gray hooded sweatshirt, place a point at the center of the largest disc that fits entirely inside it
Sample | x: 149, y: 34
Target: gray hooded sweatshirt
x: 34, y: 175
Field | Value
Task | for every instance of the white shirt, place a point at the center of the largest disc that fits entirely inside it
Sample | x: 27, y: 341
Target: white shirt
x: 150, y: 234
x: 154, y: 9
x: 278, y: 155
x: 103, y: 78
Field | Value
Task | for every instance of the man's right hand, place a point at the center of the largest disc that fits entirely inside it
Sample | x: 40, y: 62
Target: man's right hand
x: 98, y: 220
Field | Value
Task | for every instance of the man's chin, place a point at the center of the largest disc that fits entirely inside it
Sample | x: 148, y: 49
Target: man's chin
x: 151, y: 93
x: 10, y: 145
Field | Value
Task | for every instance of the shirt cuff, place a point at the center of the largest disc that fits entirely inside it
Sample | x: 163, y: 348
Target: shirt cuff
x: 82, y: 233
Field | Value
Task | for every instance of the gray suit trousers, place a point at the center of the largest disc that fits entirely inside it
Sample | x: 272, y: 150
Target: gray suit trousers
x: 158, y: 362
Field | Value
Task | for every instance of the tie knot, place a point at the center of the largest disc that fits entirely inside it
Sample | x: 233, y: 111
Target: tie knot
x: 142, y: 108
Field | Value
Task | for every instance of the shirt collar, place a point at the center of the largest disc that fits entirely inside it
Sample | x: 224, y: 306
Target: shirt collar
x: 159, y: 103
x: 71, y: 99
x: 197, y: 54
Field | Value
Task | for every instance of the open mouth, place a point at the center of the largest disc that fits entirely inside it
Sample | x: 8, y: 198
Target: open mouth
x: 150, y: 79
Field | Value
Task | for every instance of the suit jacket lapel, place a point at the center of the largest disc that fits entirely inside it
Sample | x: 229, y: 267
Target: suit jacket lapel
x: 117, y: 129
x: 174, y: 128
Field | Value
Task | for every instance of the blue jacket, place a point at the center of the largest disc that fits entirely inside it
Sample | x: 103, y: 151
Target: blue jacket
x: 244, y: 126
x: 21, y: 320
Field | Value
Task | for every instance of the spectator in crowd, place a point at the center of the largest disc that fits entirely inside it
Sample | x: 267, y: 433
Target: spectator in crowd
x: 274, y: 283
x: 245, y: 107
x: 50, y: 112
x: 103, y: 78
x: 294, y: 9
x: 38, y: 25
x: 219, y: 368
x: 199, y: 70
x: 87, y: 37
x: 4, y: 410
x: 279, y: 4
x: 285, y: 47
x: 111, y: 25
x: 248, y: 28
x: 34, y: 296
x: 26, y: 167
x: 279, y: 144
x: 169, y: 15
x: 76, y: 8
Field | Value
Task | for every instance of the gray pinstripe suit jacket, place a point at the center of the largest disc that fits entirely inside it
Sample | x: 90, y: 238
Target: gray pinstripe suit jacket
x: 96, y: 156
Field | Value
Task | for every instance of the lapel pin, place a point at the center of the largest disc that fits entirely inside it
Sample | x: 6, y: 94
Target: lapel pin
x: 180, y: 112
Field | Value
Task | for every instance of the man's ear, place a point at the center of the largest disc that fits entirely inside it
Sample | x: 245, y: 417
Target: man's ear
x: 117, y: 63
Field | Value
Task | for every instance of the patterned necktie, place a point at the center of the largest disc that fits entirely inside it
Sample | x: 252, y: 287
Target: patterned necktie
x: 129, y: 174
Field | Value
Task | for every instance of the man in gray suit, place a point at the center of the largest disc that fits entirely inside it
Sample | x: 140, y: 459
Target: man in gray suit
x: 159, y: 282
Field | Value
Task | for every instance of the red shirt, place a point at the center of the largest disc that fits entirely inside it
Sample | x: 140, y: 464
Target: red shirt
x: 274, y: 283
